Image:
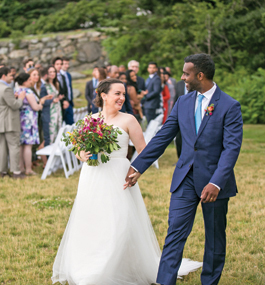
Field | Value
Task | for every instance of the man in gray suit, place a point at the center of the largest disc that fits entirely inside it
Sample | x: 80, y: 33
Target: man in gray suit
x: 10, y: 125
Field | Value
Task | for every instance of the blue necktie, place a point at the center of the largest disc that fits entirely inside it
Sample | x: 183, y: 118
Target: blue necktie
x: 198, y: 113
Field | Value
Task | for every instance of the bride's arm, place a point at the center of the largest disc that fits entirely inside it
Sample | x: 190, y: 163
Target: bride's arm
x: 136, y: 134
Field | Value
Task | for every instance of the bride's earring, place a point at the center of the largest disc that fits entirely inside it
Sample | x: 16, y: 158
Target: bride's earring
x: 104, y: 103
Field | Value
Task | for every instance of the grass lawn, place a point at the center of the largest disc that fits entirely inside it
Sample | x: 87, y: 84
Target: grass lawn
x: 34, y: 214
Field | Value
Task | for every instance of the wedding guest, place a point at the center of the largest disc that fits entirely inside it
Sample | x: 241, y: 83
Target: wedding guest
x: 152, y: 98
x: 171, y: 88
x: 29, y: 122
x: 165, y: 95
x: 10, y: 125
x: 28, y: 63
x: 36, y: 81
x: 36, y: 88
x: 134, y: 65
x: 91, y: 85
x: 171, y: 79
x: 13, y: 74
x: 69, y: 112
x: 122, y: 68
x: 56, y: 117
x: 57, y: 62
x: 100, y: 75
x: 45, y: 114
x: 38, y: 66
x: 135, y: 94
x: 122, y: 77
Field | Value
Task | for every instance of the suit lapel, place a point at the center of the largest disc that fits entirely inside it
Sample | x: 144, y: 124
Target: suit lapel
x: 190, y: 110
x: 150, y: 80
x: 206, y: 118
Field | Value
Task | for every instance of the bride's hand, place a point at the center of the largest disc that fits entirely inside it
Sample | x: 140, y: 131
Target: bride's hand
x: 84, y: 156
x: 131, y: 178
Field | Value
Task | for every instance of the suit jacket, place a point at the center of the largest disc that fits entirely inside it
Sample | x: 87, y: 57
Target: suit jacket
x: 212, y: 153
x: 71, y: 96
x: 152, y: 98
x: 127, y: 107
x: 179, y: 90
x: 89, y: 94
x: 63, y: 91
x: 140, y: 83
x: 9, y: 110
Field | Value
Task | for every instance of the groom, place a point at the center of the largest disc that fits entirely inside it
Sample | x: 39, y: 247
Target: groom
x: 210, y: 122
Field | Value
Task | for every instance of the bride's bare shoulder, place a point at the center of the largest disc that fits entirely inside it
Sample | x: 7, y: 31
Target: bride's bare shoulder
x: 127, y: 118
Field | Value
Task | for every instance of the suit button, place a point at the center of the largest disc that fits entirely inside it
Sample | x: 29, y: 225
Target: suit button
x: 195, y: 149
x: 189, y: 165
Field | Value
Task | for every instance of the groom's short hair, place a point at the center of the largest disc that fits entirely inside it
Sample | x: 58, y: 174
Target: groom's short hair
x: 202, y: 63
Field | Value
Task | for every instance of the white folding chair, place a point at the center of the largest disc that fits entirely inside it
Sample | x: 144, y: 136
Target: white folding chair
x: 77, y: 163
x: 59, y: 156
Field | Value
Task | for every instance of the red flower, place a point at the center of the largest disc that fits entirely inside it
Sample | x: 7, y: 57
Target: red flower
x: 209, y: 110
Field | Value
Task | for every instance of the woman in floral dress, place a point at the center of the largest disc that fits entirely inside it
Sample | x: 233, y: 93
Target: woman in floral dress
x: 29, y: 122
x: 56, y: 118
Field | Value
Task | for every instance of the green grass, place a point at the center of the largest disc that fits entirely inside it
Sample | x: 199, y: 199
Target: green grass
x: 80, y: 84
x: 34, y: 214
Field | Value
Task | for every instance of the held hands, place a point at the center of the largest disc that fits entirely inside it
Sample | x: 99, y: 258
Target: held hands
x: 209, y: 193
x: 131, y: 178
x: 84, y: 156
x: 60, y: 97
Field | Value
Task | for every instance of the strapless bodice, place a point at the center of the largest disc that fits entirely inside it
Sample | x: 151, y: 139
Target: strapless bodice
x: 123, y: 141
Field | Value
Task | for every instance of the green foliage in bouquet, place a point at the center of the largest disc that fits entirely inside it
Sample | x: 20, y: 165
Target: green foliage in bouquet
x: 94, y: 135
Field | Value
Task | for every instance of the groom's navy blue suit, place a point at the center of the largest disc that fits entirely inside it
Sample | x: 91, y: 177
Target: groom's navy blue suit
x: 208, y: 157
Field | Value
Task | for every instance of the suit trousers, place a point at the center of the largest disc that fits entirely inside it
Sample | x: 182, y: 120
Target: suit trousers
x: 183, y: 206
x: 150, y: 114
x: 9, y: 144
x: 69, y: 115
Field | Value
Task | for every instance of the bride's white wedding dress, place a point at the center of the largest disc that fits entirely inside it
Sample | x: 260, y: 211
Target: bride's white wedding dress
x: 109, y: 239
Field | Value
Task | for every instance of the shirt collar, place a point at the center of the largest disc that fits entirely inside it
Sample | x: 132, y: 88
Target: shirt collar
x: 62, y: 72
x: 3, y: 81
x: 208, y: 94
x: 152, y: 75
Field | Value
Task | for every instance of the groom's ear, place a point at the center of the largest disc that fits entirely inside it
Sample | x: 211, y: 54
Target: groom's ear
x: 200, y: 76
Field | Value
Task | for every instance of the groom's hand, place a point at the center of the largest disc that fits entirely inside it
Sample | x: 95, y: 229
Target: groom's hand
x: 209, y: 193
x: 131, y: 178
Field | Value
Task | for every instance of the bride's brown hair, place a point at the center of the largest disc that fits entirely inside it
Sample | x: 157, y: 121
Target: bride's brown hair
x: 104, y: 87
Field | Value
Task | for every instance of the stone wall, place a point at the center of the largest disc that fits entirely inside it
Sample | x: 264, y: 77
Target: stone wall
x: 82, y: 48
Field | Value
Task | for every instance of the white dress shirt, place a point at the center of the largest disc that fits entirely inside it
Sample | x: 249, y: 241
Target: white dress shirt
x: 151, y: 75
x: 206, y: 100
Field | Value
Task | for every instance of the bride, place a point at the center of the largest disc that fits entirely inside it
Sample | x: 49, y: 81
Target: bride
x: 109, y: 239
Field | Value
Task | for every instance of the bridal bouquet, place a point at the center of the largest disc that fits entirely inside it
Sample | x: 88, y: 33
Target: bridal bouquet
x: 93, y: 135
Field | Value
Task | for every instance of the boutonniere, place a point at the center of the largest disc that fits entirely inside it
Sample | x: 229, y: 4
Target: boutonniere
x: 209, y: 110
